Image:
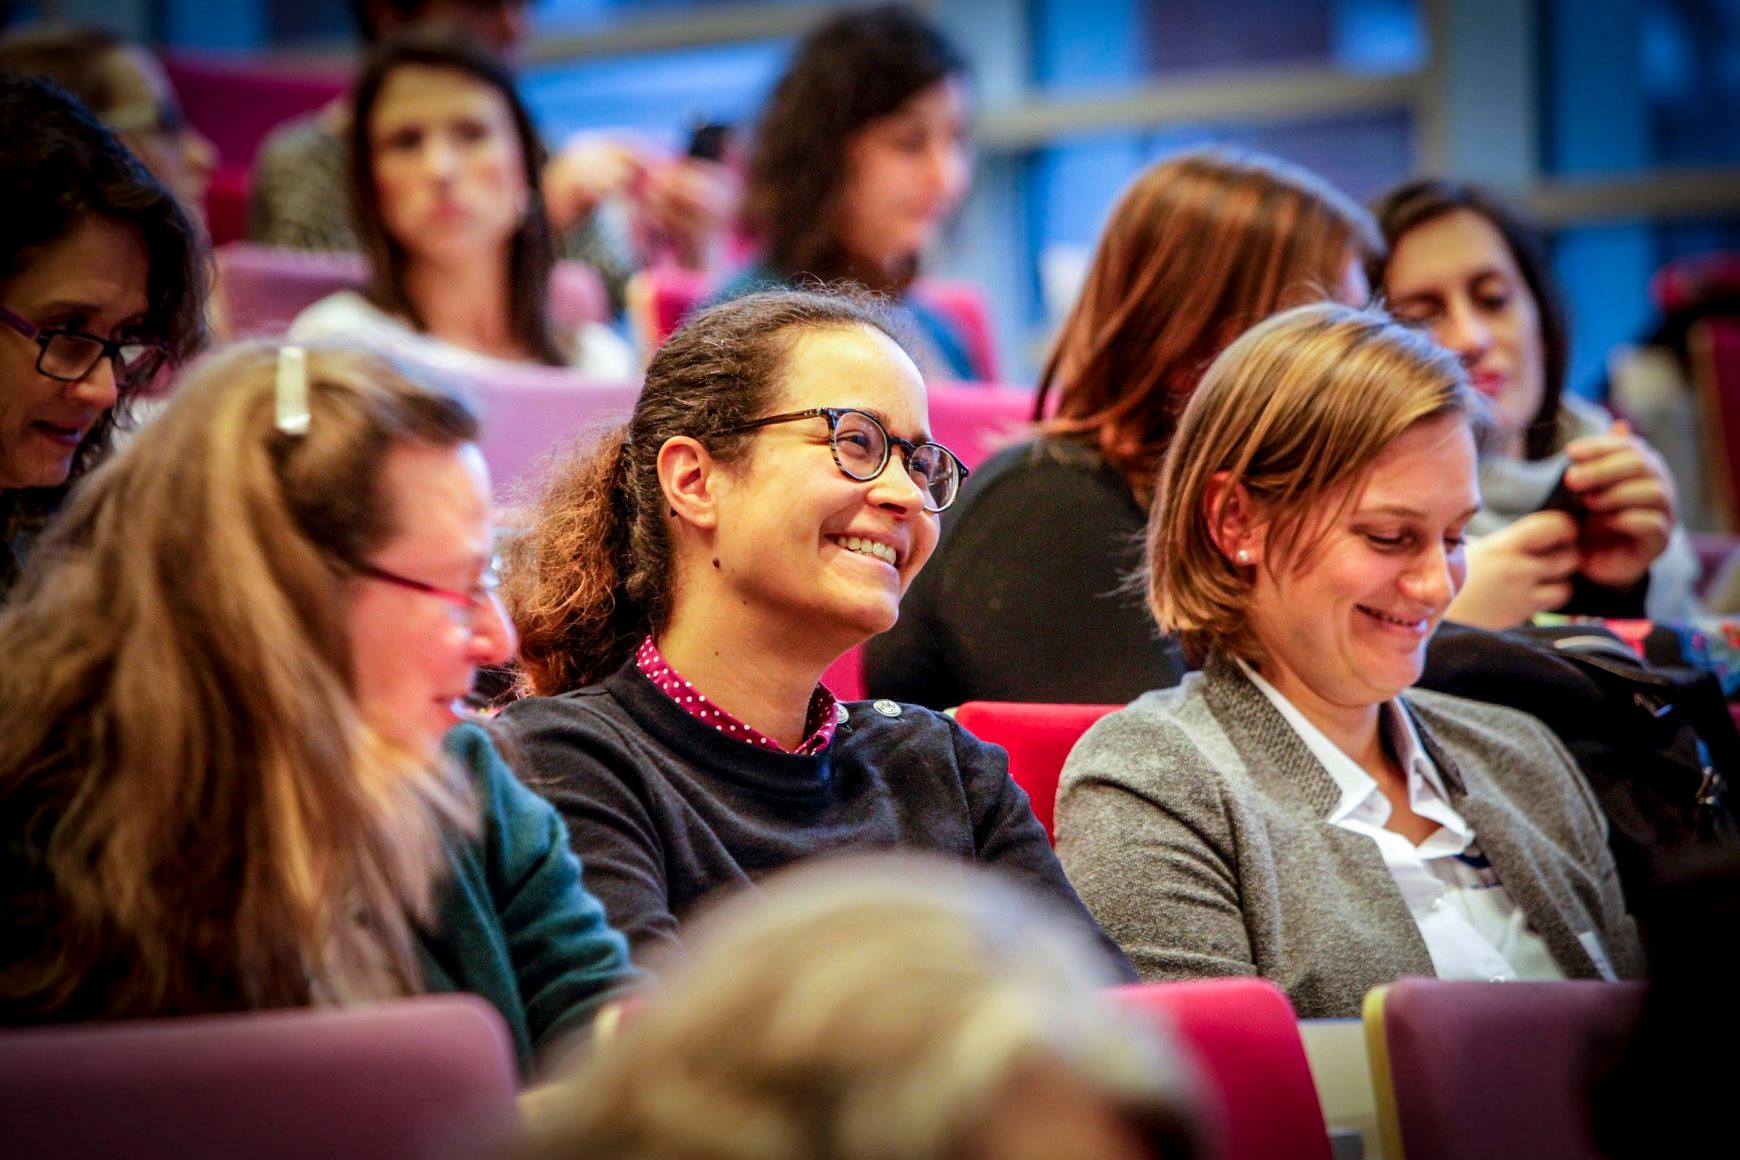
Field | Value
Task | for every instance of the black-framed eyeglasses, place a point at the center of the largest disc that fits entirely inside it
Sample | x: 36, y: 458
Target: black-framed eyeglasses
x: 862, y: 447
x: 481, y: 595
x: 69, y: 355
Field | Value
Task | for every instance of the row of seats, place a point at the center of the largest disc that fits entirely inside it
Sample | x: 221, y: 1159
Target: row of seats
x: 1458, y: 1070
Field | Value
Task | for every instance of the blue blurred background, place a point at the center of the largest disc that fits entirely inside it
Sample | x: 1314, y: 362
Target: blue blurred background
x: 1617, y: 122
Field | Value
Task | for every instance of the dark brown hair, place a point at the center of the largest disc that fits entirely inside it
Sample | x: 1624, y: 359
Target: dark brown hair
x: 531, y: 253
x: 860, y: 65
x: 1201, y: 247
x: 59, y: 165
x: 592, y: 574
x: 1414, y: 203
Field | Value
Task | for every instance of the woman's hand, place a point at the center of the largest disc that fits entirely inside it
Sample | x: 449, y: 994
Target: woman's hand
x: 690, y: 204
x: 1630, y: 500
x: 586, y: 171
x: 1517, y: 571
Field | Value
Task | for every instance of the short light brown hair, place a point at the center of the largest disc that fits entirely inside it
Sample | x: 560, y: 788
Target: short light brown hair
x: 1294, y: 413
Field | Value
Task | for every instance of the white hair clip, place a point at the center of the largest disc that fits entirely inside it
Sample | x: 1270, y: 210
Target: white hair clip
x: 292, y: 396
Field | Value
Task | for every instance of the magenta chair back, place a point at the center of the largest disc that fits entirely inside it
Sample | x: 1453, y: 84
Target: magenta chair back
x: 264, y: 288
x: 1491, y: 1069
x: 1245, y: 1040
x: 1038, y: 739
x: 408, y: 1080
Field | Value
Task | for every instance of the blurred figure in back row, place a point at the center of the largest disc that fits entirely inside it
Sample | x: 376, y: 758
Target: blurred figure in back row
x: 878, y: 1010
x: 124, y: 85
x: 445, y: 195
x: 861, y: 156
x: 102, y: 284
x: 299, y: 178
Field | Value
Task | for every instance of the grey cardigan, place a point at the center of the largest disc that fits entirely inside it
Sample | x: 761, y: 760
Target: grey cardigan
x: 1194, y: 824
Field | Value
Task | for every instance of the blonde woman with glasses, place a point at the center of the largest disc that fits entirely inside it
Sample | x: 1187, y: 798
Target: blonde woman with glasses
x: 1296, y: 810
x: 229, y: 675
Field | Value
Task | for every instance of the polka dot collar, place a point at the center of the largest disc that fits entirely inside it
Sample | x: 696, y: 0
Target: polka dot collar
x: 819, y: 724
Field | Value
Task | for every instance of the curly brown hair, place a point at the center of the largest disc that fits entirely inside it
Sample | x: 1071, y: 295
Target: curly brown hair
x: 592, y: 573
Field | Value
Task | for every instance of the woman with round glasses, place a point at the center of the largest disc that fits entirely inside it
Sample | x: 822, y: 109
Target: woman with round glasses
x: 682, y: 588
x: 102, y: 280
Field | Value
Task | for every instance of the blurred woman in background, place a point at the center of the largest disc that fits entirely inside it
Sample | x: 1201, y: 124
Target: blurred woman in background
x: 102, y: 284
x: 445, y: 193
x: 1476, y: 276
x: 1028, y: 599
x: 228, y: 677
x: 860, y: 157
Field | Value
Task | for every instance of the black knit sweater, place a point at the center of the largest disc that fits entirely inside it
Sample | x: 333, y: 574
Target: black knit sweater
x: 664, y: 811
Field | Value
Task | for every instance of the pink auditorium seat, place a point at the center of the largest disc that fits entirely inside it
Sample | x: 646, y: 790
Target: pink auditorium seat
x: 531, y: 411
x: 1245, y: 1038
x: 1490, y: 1069
x: 407, y: 1080
x: 1038, y: 739
x: 264, y: 288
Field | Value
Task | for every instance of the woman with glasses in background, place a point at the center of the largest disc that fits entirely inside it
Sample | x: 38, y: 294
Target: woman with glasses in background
x: 681, y: 589
x: 102, y: 283
x: 230, y: 776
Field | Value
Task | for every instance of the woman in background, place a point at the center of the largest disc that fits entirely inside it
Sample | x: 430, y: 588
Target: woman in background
x: 860, y: 157
x: 124, y: 85
x: 102, y: 284
x: 682, y: 586
x: 1028, y: 599
x: 1472, y: 273
x: 444, y: 189
x: 878, y: 1008
x: 1296, y: 809
x: 228, y: 676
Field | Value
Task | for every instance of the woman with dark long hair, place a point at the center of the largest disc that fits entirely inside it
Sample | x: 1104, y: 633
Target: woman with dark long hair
x: 1475, y: 274
x: 860, y: 157
x: 102, y: 283
x: 445, y: 167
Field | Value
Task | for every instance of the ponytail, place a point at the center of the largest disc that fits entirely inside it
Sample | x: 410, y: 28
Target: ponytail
x: 566, y: 578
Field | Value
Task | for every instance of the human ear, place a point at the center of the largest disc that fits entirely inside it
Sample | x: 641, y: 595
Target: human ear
x: 1232, y: 522
x: 689, y: 477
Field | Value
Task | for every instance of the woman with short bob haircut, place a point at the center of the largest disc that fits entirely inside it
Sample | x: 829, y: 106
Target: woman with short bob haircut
x: 229, y: 672
x: 1200, y: 247
x: 445, y: 195
x: 682, y: 586
x: 873, y: 1007
x: 1474, y: 273
x: 1296, y: 810
x: 859, y: 159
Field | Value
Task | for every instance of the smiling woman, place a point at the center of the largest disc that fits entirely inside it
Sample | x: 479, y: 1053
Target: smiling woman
x: 1295, y: 810
x: 682, y: 587
x: 102, y: 280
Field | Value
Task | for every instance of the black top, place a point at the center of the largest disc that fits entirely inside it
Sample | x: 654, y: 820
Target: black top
x: 1030, y: 595
x: 664, y: 810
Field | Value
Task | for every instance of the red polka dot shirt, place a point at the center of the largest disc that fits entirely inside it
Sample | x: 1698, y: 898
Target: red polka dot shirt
x: 819, y: 723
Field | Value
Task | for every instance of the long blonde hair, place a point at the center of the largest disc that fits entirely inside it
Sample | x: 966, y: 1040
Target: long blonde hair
x: 199, y: 817
x: 869, y: 1008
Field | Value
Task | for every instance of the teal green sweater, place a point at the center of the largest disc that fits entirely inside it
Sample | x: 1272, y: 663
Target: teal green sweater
x: 516, y: 925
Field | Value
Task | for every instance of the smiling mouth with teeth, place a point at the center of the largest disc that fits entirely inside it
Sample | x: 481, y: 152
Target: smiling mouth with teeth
x: 865, y: 547
x: 1415, y: 622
